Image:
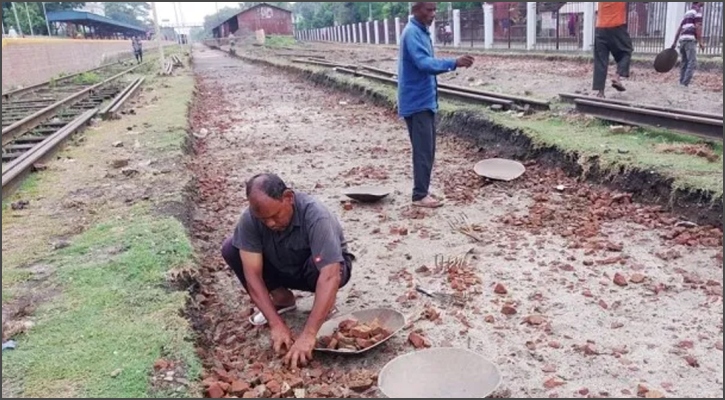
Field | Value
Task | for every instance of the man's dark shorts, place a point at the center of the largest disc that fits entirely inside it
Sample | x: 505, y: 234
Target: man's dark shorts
x: 305, y: 280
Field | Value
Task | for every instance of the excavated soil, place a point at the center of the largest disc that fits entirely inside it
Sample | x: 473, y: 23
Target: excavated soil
x: 571, y: 289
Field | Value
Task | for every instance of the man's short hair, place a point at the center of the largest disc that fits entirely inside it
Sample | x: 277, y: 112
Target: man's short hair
x: 270, y: 184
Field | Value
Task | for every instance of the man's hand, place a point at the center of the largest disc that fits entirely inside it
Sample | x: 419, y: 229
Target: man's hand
x: 702, y: 46
x: 464, y: 61
x: 301, y: 352
x: 281, y: 339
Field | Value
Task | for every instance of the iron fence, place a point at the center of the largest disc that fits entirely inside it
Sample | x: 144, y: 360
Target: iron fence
x: 472, y: 32
x: 509, y: 30
x: 712, y: 27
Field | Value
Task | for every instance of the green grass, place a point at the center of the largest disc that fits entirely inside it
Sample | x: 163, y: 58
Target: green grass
x: 279, y: 41
x: 112, y: 309
x: 114, y: 314
x: 87, y: 78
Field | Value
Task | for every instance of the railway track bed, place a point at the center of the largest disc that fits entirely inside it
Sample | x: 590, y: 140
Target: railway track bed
x: 36, y: 123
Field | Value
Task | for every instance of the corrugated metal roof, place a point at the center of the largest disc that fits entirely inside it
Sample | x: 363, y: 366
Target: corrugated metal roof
x: 81, y: 17
x: 250, y: 9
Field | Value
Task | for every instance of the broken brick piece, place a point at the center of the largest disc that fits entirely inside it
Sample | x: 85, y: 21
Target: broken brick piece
x: 418, y: 341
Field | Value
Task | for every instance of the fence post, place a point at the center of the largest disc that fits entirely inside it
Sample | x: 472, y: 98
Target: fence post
x: 675, y: 13
x: 531, y: 18
x: 386, y: 30
x: 456, y: 28
x: 590, y: 22
x: 433, y: 32
x: 367, y: 30
x: 397, y: 31
x: 488, y: 26
x: 353, y: 29
x: 376, y: 26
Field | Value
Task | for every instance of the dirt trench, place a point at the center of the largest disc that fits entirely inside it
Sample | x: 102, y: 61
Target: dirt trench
x: 571, y: 289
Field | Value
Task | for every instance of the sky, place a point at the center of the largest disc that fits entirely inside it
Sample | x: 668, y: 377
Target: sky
x: 193, y: 12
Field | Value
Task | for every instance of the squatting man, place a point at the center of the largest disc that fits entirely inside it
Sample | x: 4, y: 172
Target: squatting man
x: 286, y: 240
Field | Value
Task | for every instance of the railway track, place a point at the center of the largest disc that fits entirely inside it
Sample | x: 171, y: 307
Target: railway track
x: 704, y: 125
x: 504, y: 101
x: 41, y: 124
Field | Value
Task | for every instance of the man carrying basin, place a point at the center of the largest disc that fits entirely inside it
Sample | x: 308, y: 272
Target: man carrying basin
x: 287, y: 241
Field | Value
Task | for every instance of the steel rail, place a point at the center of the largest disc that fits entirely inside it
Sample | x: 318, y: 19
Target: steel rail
x: 18, y: 128
x: 130, y: 93
x: 17, y: 169
x: 107, y: 110
x: 11, y: 93
x: 571, y: 97
x: 505, y: 104
x: 707, y: 128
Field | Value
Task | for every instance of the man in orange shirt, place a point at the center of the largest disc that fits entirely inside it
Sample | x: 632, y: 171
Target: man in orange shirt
x: 612, y: 38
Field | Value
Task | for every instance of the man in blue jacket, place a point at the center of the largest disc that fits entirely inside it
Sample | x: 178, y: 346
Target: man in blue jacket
x: 418, y: 95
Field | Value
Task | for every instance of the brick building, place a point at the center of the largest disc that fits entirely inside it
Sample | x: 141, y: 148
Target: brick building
x: 270, y: 18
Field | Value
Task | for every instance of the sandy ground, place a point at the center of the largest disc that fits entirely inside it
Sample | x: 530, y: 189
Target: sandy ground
x: 571, y: 293
x: 546, y: 79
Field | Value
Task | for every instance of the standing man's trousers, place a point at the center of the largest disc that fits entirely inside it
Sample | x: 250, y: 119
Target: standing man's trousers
x: 614, y: 41
x: 422, y: 130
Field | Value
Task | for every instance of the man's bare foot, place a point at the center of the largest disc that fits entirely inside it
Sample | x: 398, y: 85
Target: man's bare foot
x: 428, y: 202
x: 600, y: 94
x: 618, y: 85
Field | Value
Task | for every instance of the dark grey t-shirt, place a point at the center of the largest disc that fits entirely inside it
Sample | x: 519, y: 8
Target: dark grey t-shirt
x: 314, y: 233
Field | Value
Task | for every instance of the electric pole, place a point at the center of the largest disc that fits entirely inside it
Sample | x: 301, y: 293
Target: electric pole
x: 47, y: 24
x: 158, y: 34
x: 17, y: 20
x: 30, y: 23
x: 176, y: 17
x: 370, y: 8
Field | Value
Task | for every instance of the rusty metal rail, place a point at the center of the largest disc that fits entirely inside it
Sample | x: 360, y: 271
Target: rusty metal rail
x: 19, y: 128
x: 111, y: 109
x: 15, y: 171
x: 705, y: 125
x: 469, y: 97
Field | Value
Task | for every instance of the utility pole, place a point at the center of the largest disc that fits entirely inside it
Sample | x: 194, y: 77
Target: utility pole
x: 176, y: 16
x: 30, y: 23
x: 47, y: 24
x: 17, y: 20
x: 158, y: 34
x: 370, y: 8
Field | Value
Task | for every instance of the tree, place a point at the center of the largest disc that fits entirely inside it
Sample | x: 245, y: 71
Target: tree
x: 214, y: 20
x: 37, y: 17
x: 133, y: 13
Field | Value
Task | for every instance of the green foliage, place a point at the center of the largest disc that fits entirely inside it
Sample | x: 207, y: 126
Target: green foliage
x: 35, y: 11
x: 134, y: 13
x: 87, y: 78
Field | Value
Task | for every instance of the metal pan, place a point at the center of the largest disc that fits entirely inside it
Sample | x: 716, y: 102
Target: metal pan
x: 391, y: 320
x: 500, y: 169
x: 367, y: 194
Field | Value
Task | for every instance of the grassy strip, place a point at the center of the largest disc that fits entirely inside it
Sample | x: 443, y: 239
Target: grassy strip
x: 109, y: 312
x: 584, y: 139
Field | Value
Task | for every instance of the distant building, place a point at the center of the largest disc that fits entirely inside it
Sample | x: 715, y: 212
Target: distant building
x: 93, y: 8
x: 272, y: 19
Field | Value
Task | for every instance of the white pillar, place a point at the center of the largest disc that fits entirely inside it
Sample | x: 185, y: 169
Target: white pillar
x: 376, y: 26
x: 397, y: 31
x: 386, y: 30
x: 457, y: 28
x: 590, y: 20
x: 531, y: 18
x: 433, y: 33
x: 354, y: 33
x: 348, y: 36
x: 675, y: 13
x: 367, y: 29
x: 362, y: 32
x: 488, y: 26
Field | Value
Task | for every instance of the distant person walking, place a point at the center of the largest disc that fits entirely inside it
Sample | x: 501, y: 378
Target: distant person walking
x: 689, y: 36
x: 611, y: 37
x: 137, y: 49
x: 418, y: 95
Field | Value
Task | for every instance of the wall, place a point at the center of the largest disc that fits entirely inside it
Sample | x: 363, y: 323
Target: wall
x: 273, y: 20
x: 27, y: 61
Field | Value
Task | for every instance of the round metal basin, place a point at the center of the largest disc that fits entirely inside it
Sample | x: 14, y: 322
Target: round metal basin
x: 392, y: 320
x: 500, y: 169
x: 439, y: 373
x: 367, y: 194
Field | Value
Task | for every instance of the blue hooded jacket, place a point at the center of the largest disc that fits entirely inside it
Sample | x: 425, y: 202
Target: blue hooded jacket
x: 417, y: 71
